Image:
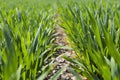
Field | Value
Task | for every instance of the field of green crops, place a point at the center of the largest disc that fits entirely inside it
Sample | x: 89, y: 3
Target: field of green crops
x: 27, y: 35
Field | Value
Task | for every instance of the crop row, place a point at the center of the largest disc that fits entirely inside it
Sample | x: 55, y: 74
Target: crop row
x: 93, y: 30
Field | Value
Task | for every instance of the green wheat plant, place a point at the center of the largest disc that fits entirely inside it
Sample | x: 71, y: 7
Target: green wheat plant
x: 26, y: 44
x: 94, y: 34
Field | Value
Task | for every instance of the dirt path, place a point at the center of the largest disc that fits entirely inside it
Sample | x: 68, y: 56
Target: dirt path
x: 61, y: 40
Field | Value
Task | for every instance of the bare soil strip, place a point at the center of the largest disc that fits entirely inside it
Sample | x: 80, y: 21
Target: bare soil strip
x: 61, y: 40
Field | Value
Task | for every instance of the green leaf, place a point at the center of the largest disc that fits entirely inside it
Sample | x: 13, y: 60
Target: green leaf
x: 78, y: 77
x: 57, y: 74
x: 35, y: 41
x: 18, y: 74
